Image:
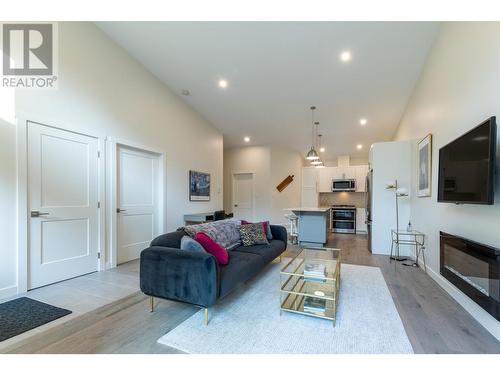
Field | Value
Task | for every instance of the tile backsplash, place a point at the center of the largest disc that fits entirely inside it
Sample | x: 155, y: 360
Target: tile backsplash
x: 356, y: 199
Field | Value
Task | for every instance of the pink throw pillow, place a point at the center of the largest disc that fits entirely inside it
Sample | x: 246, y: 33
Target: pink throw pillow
x: 265, y: 224
x: 213, y: 248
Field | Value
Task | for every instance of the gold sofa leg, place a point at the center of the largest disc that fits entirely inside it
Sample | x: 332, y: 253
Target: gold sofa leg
x: 206, y: 316
x: 152, y: 302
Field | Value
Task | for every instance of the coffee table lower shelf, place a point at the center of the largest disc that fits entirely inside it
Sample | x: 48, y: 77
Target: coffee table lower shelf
x: 294, y: 303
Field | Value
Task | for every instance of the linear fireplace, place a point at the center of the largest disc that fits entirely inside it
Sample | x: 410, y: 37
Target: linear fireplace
x: 474, y: 269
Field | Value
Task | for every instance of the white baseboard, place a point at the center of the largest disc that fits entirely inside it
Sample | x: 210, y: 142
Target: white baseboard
x: 8, y: 292
x: 486, y: 320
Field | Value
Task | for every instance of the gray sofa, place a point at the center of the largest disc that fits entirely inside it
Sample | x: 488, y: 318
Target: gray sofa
x: 168, y: 272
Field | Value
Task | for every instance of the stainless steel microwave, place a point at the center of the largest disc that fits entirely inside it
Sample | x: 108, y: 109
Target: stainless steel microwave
x: 344, y: 185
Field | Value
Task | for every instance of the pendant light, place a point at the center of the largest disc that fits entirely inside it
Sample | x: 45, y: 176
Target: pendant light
x: 318, y: 163
x: 316, y: 144
x: 312, y: 154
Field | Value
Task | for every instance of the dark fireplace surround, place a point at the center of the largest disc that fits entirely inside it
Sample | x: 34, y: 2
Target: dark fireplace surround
x: 474, y: 269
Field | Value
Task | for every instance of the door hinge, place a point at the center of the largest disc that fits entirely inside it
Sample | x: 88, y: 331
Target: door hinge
x: 98, y: 154
x: 98, y: 204
x: 98, y: 255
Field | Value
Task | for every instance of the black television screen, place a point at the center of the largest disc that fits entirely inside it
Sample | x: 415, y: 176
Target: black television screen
x: 467, y: 166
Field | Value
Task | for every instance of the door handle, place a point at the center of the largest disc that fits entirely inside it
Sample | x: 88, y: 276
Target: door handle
x: 38, y: 213
x: 118, y: 210
x: 235, y: 205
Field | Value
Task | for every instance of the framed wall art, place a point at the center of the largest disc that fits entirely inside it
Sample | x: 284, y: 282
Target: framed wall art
x: 199, y: 186
x: 424, y: 173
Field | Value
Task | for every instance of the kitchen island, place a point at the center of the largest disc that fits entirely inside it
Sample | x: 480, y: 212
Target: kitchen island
x: 313, y: 224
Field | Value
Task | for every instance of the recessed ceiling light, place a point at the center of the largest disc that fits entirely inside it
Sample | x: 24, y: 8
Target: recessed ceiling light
x: 222, y: 83
x: 363, y: 121
x: 345, y: 56
x: 246, y: 139
x: 359, y: 147
x: 185, y: 92
x: 322, y: 149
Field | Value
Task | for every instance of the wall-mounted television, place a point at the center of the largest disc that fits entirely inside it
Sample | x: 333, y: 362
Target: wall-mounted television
x: 467, y: 166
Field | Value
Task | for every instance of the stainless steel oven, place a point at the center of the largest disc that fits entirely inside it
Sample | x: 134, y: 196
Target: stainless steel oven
x: 344, y: 185
x: 343, y: 219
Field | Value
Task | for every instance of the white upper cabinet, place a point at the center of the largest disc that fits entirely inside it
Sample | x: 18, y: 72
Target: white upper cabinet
x: 361, y: 172
x: 349, y: 173
x: 337, y: 173
x: 326, y: 175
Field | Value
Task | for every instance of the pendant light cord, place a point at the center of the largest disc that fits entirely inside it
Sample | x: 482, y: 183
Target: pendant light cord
x: 312, y: 130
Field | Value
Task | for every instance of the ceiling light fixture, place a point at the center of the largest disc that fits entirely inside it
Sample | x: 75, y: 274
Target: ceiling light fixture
x: 312, y: 154
x: 321, y: 148
x: 359, y: 147
x: 345, y: 56
x: 320, y: 165
x: 318, y: 162
x: 222, y: 83
x: 363, y: 121
x: 246, y: 139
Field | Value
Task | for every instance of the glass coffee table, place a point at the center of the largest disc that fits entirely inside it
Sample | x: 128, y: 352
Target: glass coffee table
x: 310, y: 283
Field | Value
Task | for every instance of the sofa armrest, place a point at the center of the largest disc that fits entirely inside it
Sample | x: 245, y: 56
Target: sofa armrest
x: 179, y: 275
x: 279, y: 233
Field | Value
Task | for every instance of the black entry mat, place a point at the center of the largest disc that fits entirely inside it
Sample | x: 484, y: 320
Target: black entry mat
x: 22, y: 314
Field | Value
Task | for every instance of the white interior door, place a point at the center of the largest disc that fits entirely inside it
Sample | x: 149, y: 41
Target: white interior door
x: 243, y: 196
x: 63, y: 198
x: 137, y: 202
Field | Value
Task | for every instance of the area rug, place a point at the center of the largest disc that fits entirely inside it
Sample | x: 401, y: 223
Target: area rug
x: 249, y: 321
x: 22, y: 314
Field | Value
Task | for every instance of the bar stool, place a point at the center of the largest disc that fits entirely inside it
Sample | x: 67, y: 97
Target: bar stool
x: 294, y: 232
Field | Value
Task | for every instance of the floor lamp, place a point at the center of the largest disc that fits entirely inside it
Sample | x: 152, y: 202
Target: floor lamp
x: 398, y: 193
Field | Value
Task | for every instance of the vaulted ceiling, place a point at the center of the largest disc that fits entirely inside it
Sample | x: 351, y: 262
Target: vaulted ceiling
x: 276, y: 70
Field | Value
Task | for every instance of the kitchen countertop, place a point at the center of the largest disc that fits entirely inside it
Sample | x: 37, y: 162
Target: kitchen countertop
x: 308, y: 209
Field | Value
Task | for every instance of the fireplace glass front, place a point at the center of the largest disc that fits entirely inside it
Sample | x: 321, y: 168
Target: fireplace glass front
x: 474, y: 269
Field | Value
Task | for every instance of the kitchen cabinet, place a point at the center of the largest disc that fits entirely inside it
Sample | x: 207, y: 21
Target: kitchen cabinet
x: 326, y: 175
x: 361, y: 220
x: 349, y: 172
x: 337, y: 173
x: 309, y: 191
x: 361, y: 172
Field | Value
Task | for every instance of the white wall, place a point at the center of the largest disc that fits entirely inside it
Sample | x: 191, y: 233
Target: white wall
x: 102, y: 89
x: 390, y: 161
x: 8, y: 260
x: 271, y: 164
x: 458, y: 89
x: 256, y: 160
x: 285, y: 162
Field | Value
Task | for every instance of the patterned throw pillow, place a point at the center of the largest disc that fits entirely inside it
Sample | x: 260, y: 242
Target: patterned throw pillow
x: 253, y: 234
x: 224, y: 232
x: 267, y: 228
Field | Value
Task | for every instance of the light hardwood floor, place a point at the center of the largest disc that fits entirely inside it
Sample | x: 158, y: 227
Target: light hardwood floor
x: 434, y: 322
